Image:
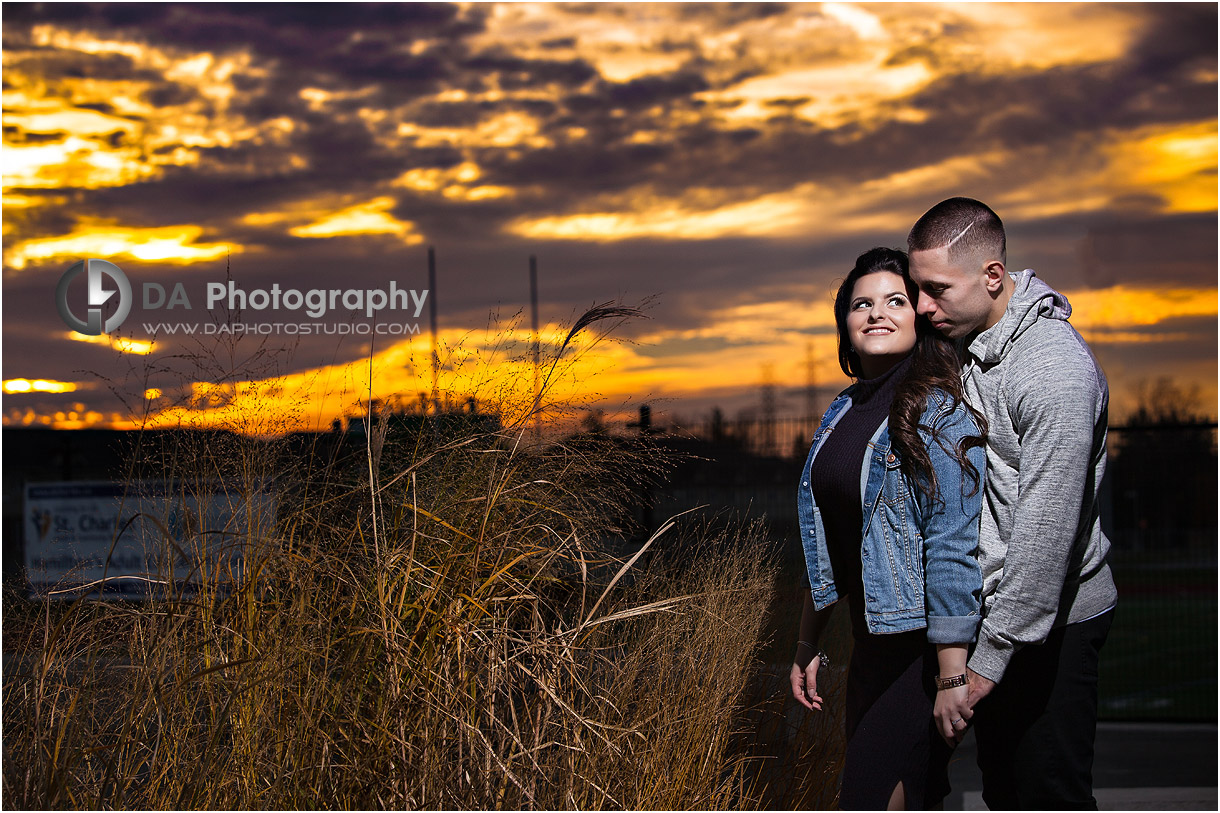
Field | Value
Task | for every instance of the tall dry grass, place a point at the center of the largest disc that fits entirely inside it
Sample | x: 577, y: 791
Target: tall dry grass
x: 451, y: 622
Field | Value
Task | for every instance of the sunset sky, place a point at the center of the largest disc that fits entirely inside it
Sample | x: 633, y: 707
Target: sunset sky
x: 722, y: 164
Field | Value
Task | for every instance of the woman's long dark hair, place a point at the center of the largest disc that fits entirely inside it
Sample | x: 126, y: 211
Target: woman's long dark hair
x: 935, y: 365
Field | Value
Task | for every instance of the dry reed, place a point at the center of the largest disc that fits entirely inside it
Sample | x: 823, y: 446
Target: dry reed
x: 449, y: 623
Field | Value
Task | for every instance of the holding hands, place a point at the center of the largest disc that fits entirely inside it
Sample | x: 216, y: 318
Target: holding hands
x: 955, y: 693
x: 955, y: 705
x: 952, y: 712
x: 980, y: 686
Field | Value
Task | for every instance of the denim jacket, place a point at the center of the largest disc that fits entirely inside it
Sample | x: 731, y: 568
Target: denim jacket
x: 918, y: 556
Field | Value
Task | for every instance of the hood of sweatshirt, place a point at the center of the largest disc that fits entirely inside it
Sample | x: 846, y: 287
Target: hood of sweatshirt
x: 1032, y: 299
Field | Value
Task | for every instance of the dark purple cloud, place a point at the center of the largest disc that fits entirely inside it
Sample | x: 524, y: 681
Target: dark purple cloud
x: 382, y: 65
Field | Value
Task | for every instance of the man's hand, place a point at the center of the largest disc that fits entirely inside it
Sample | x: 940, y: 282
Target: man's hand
x: 980, y: 686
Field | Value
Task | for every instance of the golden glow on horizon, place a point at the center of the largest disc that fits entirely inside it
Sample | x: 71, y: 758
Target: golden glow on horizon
x: 744, y: 335
x: 372, y: 217
x: 174, y: 245
x: 79, y: 417
x: 137, y: 347
x: 22, y: 385
x: 495, y: 369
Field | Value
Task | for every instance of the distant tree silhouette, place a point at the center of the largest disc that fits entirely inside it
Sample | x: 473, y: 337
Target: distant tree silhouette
x: 594, y: 422
x: 1163, y: 470
x: 719, y: 432
x: 1163, y: 402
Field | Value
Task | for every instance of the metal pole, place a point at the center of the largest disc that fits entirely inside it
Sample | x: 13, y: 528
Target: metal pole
x: 534, y: 329
x: 436, y: 359
x: 810, y: 382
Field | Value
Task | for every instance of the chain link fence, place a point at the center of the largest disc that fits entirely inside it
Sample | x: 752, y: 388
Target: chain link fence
x: 1158, y: 509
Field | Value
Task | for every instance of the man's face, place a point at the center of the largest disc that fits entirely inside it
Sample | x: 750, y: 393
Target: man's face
x: 953, y: 295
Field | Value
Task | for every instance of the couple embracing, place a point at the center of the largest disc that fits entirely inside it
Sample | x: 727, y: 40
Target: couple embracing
x: 951, y: 498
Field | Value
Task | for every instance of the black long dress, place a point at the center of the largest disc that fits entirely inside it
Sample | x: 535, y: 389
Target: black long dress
x: 891, y: 736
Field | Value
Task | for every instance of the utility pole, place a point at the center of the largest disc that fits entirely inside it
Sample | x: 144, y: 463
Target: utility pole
x: 534, y: 332
x: 810, y: 381
x: 768, y: 409
x: 436, y: 359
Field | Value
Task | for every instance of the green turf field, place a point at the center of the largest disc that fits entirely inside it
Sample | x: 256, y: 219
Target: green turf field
x: 1159, y: 662
x: 1160, y: 659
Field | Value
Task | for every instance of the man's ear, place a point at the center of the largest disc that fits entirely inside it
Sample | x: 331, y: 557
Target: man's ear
x: 993, y: 275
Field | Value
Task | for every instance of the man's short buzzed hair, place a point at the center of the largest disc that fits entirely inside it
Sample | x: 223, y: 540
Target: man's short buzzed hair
x: 965, y: 225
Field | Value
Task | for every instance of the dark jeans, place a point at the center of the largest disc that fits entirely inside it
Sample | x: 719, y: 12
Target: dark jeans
x: 1036, y: 729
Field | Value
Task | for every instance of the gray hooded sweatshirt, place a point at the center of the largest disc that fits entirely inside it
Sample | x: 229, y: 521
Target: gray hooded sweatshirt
x: 1041, y: 548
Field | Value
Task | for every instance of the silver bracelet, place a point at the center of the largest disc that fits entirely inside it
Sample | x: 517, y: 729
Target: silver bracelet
x: 823, y: 658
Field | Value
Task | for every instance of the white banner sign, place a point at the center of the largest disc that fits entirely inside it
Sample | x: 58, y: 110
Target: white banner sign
x: 130, y: 540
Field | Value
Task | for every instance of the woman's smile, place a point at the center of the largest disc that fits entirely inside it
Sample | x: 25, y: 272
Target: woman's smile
x: 881, y: 321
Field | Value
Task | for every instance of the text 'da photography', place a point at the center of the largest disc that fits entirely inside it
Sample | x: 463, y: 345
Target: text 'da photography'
x: 621, y: 406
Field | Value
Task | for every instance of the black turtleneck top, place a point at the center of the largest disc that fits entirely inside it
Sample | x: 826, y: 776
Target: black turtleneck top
x: 835, y: 480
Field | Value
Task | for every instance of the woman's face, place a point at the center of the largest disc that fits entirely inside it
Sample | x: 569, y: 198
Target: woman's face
x: 880, y: 322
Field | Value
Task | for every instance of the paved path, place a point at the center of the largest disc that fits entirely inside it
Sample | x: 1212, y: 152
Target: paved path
x: 1138, y: 766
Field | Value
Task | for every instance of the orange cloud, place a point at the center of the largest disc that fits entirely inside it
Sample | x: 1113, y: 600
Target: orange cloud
x: 23, y: 385
x: 1176, y: 162
x: 364, y: 218
x: 92, y: 237
x: 1127, y: 306
x: 123, y: 345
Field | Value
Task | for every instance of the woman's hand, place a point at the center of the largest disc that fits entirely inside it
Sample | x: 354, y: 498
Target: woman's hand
x: 804, y: 674
x: 805, y: 684
x: 952, y: 709
x: 952, y: 713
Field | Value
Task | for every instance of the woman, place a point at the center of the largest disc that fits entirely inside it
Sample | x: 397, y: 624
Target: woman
x: 889, y: 507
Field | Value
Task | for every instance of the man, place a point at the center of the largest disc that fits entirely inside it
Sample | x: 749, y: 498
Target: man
x: 1048, y: 595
